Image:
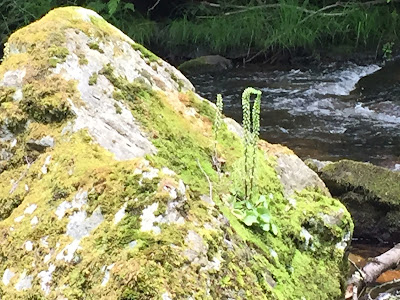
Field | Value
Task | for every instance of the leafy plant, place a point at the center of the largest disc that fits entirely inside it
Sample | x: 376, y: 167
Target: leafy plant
x: 248, y: 205
x: 255, y: 212
x: 387, y: 49
x: 216, y: 128
x: 251, y: 126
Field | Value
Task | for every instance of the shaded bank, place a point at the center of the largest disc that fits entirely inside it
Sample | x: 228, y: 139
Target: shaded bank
x: 276, y: 32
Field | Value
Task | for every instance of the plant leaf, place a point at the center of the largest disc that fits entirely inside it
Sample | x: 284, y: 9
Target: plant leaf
x: 250, y: 219
x: 238, y: 205
x: 266, y: 218
x: 238, y: 213
x: 129, y: 6
x: 274, y: 229
x: 112, y: 6
x: 266, y: 227
x: 262, y: 210
x: 261, y: 199
x: 249, y: 205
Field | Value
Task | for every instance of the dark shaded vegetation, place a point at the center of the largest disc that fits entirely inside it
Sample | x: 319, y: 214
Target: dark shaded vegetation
x: 255, y: 29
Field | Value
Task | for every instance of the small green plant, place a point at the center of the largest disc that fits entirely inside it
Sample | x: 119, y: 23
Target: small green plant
x: 93, y: 79
x: 248, y: 205
x: 255, y: 212
x: 218, y: 116
x: 251, y: 126
x: 387, y: 49
x: 216, y: 128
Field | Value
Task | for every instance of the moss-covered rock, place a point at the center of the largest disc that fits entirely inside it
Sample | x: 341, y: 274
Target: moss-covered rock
x: 207, y: 63
x: 370, y: 193
x: 108, y: 188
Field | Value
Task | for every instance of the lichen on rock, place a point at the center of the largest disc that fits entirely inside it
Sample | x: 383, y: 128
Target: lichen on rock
x: 104, y: 203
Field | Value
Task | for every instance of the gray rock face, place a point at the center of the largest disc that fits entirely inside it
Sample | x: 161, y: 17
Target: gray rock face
x: 296, y: 176
x: 42, y: 144
x: 117, y: 131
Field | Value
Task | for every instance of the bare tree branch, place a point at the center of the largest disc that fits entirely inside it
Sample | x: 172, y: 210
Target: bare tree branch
x: 373, y: 269
x: 154, y: 6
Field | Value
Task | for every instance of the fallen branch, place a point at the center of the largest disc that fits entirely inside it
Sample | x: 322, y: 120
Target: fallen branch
x: 373, y: 269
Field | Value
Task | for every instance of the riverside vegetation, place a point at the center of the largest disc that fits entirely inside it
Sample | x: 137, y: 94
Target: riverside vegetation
x: 235, y: 28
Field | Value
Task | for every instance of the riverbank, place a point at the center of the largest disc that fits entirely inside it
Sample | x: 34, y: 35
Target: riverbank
x: 284, y: 32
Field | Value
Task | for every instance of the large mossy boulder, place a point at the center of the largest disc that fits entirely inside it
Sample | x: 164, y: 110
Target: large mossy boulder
x: 108, y: 189
x: 370, y: 193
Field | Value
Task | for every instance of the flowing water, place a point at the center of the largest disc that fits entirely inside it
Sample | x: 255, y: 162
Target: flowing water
x: 316, y: 113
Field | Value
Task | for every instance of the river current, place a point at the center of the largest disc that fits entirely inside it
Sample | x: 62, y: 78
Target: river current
x: 317, y: 112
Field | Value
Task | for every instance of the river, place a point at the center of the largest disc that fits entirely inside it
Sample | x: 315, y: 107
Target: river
x: 316, y: 112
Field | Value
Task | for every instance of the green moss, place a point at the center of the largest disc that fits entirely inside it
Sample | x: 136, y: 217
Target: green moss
x: 47, y: 100
x: 193, y: 64
x: 376, y: 183
x: 82, y: 60
x: 93, y: 79
x: 12, y: 116
x: 182, y: 144
x: 57, y: 55
x: 178, y: 81
x: 118, y: 108
x: 6, y: 94
x: 9, y: 204
x: 95, y: 46
x: 144, y: 53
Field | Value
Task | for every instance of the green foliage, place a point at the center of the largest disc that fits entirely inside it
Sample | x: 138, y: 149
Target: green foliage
x: 255, y: 212
x: 248, y: 205
x: 233, y: 26
x: 387, y: 49
x: 251, y: 126
x: 216, y: 129
x: 283, y: 24
x: 218, y: 116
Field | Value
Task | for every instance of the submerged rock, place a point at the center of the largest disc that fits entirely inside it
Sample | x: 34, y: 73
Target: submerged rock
x: 208, y: 63
x: 370, y: 193
x: 108, y: 189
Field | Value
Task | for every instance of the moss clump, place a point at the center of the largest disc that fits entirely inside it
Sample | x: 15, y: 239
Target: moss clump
x: 12, y: 116
x: 375, y: 183
x: 57, y: 55
x: 118, y: 109
x: 93, y: 79
x: 178, y: 81
x: 83, y: 60
x: 144, y: 53
x: 95, y: 46
x: 47, y: 100
x: 193, y: 64
x: 6, y: 94
x: 7, y: 205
